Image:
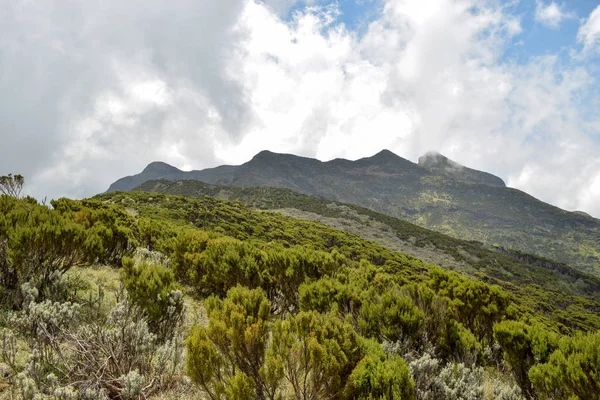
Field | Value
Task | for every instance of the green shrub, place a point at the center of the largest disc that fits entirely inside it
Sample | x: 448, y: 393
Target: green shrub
x: 390, y: 316
x: 235, y: 340
x: 37, y: 242
x: 477, y: 305
x: 317, y: 353
x: 572, y: 369
x: 152, y: 287
x: 382, y: 379
x: 524, y: 346
x: 111, y: 224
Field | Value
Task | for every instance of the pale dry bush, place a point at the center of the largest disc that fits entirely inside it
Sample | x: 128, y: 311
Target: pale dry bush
x: 92, y: 358
x: 457, y: 381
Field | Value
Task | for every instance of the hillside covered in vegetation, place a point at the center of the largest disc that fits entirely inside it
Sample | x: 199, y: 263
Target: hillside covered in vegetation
x: 437, y: 194
x: 147, y: 295
x: 506, y: 267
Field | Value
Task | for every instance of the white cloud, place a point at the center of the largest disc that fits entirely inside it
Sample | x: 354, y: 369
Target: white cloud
x: 589, y: 32
x: 220, y: 81
x: 283, y: 7
x: 551, y: 14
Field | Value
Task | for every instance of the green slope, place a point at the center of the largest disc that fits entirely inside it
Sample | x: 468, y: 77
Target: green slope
x: 266, y: 283
x: 556, y: 290
x: 439, y: 195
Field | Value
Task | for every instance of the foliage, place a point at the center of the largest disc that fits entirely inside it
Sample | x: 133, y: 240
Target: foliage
x: 523, y: 347
x: 295, y: 309
x: 113, y: 225
x: 317, y: 355
x: 235, y: 339
x: 455, y: 381
x: 151, y: 286
x: 390, y: 316
x: 547, y: 286
x: 316, y: 352
x: 214, y: 266
x: 572, y: 369
x: 387, y: 379
x: 36, y: 242
x: 476, y: 305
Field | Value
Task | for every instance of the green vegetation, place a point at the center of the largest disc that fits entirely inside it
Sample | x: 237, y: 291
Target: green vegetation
x: 294, y: 309
x: 458, y: 201
x: 547, y: 287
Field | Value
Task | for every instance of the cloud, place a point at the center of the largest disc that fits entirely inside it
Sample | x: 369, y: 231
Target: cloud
x: 91, y: 89
x: 109, y: 89
x: 589, y: 32
x: 551, y: 15
x: 283, y: 7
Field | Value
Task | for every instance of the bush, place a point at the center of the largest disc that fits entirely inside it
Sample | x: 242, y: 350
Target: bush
x: 524, y: 346
x: 572, y: 369
x: 151, y: 286
x: 317, y: 353
x: 384, y: 379
x: 453, y: 381
x: 477, y: 305
x: 390, y: 317
x: 235, y: 339
x: 36, y: 242
x: 113, y: 357
x: 313, y: 355
x: 112, y: 225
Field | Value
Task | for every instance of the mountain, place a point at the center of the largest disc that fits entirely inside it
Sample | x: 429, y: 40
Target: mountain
x: 439, y: 194
x: 161, y: 170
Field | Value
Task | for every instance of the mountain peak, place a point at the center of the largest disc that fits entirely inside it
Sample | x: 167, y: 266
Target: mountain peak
x: 385, y: 153
x: 159, y: 167
x: 264, y: 154
x: 386, y: 156
x: 439, y: 164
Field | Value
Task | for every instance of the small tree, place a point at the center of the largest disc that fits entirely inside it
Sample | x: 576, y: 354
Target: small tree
x: 228, y: 356
x: 524, y: 346
x: 11, y: 185
x: 317, y: 353
x: 573, y: 369
x: 152, y: 287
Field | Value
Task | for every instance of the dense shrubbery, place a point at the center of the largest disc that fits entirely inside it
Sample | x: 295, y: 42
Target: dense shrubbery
x: 572, y: 369
x: 36, y: 241
x: 295, y: 310
x: 311, y: 355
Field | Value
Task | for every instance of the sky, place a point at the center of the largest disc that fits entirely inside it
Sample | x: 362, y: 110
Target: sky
x: 91, y: 91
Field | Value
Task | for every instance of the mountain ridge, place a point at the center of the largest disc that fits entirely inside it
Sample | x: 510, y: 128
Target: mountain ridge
x: 162, y: 170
